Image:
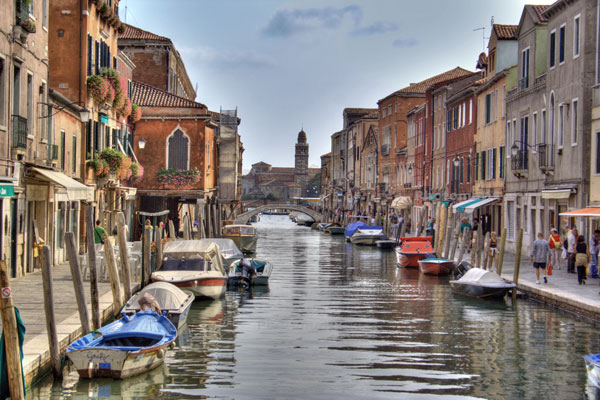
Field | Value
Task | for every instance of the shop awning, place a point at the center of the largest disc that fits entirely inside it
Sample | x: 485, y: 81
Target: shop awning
x: 556, y: 194
x: 460, y: 207
x: 593, y: 212
x: 401, y: 203
x: 74, y: 190
x: 482, y: 202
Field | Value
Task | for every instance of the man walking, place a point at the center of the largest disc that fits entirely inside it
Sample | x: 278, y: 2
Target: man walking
x: 540, y: 255
x: 572, y: 242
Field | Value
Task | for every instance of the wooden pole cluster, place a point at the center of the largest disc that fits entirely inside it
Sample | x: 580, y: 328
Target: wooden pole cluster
x: 49, y: 310
x: 77, y: 282
x: 113, y: 273
x: 517, y: 262
x: 11, y: 336
x: 442, y: 223
x: 89, y: 220
x: 456, y: 241
x: 465, y: 243
x: 124, y: 254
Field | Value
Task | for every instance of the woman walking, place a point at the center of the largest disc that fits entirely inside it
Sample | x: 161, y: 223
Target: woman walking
x: 494, y: 252
x: 582, y: 259
x: 555, y: 248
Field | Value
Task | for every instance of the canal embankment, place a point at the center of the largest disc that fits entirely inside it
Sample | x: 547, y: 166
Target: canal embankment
x: 28, y: 297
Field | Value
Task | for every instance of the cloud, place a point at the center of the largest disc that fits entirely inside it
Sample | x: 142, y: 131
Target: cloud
x: 288, y: 22
x: 227, y: 59
x: 404, y: 43
x: 376, y: 28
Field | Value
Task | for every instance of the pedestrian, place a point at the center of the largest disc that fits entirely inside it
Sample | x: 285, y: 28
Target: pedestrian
x: 494, y: 251
x: 555, y: 248
x: 99, y: 232
x: 465, y: 224
x: 594, y: 247
x: 582, y: 259
x: 571, y: 243
x: 540, y: 255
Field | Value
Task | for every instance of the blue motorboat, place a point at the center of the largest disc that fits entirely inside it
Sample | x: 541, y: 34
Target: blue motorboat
x: 126, y: 347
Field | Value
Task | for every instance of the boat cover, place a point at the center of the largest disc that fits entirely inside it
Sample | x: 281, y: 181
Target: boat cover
x: 194, y: 249
x: 228, y: 249
x: 169, y: 297
x: 258, y: 265
x: 371, y: 231
x: 350, y: 229
x: 435, y: 260
x: 481, y: 275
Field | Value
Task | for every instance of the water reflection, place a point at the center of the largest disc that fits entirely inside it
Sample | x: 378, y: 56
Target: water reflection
x: 341, y: 321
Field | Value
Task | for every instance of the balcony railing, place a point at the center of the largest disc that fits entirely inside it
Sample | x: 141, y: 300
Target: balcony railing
x: 19, y: 126
x: 518, y: 162
x: 385, y: 149
x: 524, y: 83
x: 546, y: 157
x: 407, y: 185
x: 53, y: 151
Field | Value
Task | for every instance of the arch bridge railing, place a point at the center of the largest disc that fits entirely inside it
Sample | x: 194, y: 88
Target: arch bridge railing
x: 244, y: 217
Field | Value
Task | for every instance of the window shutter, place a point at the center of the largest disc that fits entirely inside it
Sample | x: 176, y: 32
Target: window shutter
x: 178, y: 151
x: 483, y: 165
x: 97, y: 57
x: 494, y: 164
x: 90, y: 55
x: 476, y: 177
x: 88, y: 140
x: 462, y: 167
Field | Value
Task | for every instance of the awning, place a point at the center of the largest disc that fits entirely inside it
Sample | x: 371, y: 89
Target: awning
x: 593, y: 212
x: 73, y: 189
x: 482, y: 202
x: 460, y: 207
x: 556, y: 194
x: 401, y: 203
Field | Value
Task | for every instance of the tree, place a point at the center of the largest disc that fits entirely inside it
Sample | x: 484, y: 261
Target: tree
x: 313, y: 188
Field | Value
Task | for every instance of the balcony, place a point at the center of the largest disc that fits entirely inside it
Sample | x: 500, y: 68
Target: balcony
x: 407, y: 185
x: 523, y: 83
x: 19, y: 126
x: 519, y: 162
x: 53, y: 151
x: 385, y: 149
x: 546, y: 157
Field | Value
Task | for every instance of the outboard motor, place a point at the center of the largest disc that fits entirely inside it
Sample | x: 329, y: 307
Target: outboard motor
x: 461, y: 269
x: 248, y: 272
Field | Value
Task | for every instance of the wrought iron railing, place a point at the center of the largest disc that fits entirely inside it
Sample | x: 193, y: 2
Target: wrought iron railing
x: 524, y: 83
x: 519, y: 162
x: 19, y: 127
x: 546, y: 156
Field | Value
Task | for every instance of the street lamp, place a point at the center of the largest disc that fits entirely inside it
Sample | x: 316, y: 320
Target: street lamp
x: 514, y: 149
x: 456, y: 162
x: 142, y: 143
x: 84, y: 113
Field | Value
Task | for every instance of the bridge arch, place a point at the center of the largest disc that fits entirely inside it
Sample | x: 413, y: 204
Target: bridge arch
x: 244, y: 217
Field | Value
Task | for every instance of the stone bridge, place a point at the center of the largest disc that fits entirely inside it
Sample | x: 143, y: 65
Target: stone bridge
x: 244, y: 217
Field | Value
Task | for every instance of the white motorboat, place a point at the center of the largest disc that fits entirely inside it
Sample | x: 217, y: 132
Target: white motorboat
x: 477, y: 282
x: 366, y: 236
x: 229, y: 250
x: 195, y: 266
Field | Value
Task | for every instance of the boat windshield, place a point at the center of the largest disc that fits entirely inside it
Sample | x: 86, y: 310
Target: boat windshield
x: 183, y: 264
x: 239, y: 230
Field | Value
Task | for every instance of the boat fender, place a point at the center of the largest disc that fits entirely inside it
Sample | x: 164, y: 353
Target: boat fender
x: 125, y: 316
x: 160, y: 353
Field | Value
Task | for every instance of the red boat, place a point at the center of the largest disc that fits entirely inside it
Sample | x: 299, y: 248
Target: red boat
x: 413, y: 249
x: 436, y: 266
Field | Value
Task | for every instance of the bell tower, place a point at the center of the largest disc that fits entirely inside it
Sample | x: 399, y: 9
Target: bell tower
x: 301, y: 164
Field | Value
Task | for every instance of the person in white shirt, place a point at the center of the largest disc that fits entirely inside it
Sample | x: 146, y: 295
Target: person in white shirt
x: 572, y: 241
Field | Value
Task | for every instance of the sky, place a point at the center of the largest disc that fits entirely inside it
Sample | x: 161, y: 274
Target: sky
x: 296, y: 64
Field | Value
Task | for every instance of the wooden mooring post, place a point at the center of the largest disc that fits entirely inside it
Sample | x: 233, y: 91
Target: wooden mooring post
x: 172, y: 234
x: 146, y: 256
x: 517, y: 262
x: 113, y: 273
x: 49, y: 310
x: 77, y: 282
x: 91, y: 248
x: 11, y: 336
x: 501, y: 254
x: 159, y: 247
x: 486, y: 251
x: 465, y: 243
x: 124, y: 255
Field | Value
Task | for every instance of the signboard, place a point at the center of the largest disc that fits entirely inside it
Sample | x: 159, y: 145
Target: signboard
x: 7, y: 190
x: 104, y: 118
x: 6, y: 292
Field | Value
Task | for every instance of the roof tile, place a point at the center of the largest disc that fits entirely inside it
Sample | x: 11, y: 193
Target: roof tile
x: 506, y: 32
x: 422, y: 86
x: 539, y: 11
x: 149, y: 96
x: 135, y: 33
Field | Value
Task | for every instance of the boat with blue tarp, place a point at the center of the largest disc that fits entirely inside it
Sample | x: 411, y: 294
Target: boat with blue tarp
x: 592, y: 365
x: 126, y: 347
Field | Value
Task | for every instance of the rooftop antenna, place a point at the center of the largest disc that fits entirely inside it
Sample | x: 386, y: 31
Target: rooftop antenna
x: 125, y: 12
x: 482, y: 35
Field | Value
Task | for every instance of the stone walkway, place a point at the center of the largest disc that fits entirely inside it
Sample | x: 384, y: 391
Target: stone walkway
x: 28, y: 298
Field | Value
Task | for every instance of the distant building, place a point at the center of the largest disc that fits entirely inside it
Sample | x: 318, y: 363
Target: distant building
x: 281, y: 183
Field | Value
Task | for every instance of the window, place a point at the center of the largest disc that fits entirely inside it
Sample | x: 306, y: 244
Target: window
x: 88, y: 140
x: 488, y: 108
x: 468, y: 169
x: 390, y: 109
x: 534, y: 131
x: 501, y: 164
x: 74, y: 155
x: 493, y: 163
x: 470, y: 111
x: 576, y: 35
x: 524, y: 69
x: 90, y: 55
x: 29, y: 103
x: 494, y: 104
x: 514, y: 131
x: 448, y: 120
x: 561, y: 45
x: 575, y: 120
x: 62, y: 150
x: 561, y: 126
x: 178, y: 150
x: 464, y: 114
x: 384, y: 112
x: 3, y: 104
x: 508, y: 135
x: 543, y: 129
x: 483, y: 166
x: 552, y: 46
x: 462, y: 168
x: 476, y: 174
x: 597, y: 152
x: 45, y: 14
x: 455, y: 118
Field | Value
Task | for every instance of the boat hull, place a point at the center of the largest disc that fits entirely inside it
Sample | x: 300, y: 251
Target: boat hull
x: 437, y: 267
x: 116, y: 364
x: 212, y: 287
x: 336, y: 230
x: 365, y: 240
x: 385, y: 244
x: 592, y: 366
x: 409, y: 260
x: 496, y: 291
x: 247, y: 244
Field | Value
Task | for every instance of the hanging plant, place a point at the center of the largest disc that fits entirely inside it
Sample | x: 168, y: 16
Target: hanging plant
x: 100, y: 167
x: 121, y: 29
x: 125, y: 109
x: 125, y: 171
x: 28, y: 25
x: 177, y: 177
x: 136, y: 113
x: 113, y: 158
x: 103, y: 9
x: 98, y: 88
x: 135, y: 172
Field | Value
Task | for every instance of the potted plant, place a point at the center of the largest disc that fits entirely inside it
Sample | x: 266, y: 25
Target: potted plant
x: 98, y: 88
x: 176, y: 177
x: 28, y: 25
x: 136, y: 113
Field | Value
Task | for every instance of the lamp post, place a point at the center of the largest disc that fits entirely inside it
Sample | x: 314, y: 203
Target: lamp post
x: 455, y: 163
x: 142, y: 143
x: 84, y: 113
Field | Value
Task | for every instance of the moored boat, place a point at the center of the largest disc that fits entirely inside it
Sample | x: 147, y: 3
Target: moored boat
x: 413, y: 249
x: 172, y: 300
x: 228, y: 249
x: 436, y: 266
x: 367, y: 236
x: 244, y: 237
x: 126, y: 347
x: 193, y: 265
x: 592, y: 366
x: 335, y: 229
x: 477, y: 282
x: 385, y: 243
x: 262, y: 267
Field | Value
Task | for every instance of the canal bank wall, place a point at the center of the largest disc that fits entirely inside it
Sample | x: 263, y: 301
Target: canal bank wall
x: 28, y: 298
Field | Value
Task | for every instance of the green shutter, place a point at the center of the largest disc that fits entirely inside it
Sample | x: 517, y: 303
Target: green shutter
x: 74, y: 156
x: 62, y: 150
x: 494, y: 164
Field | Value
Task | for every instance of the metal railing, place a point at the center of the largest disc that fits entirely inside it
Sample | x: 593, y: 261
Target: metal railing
x: 519, y: 162
x: 19, y: 128
x: 524, y: 83
x: 546, y: 156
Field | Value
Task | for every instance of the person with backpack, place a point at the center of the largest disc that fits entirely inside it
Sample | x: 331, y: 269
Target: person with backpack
x: 556, y: 246
x: 582, y: 258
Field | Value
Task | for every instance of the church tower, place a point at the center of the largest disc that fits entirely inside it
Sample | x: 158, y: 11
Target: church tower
x: 301, y: 164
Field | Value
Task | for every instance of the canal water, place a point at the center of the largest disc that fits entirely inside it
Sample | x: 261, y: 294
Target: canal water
x: 343, y: 322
